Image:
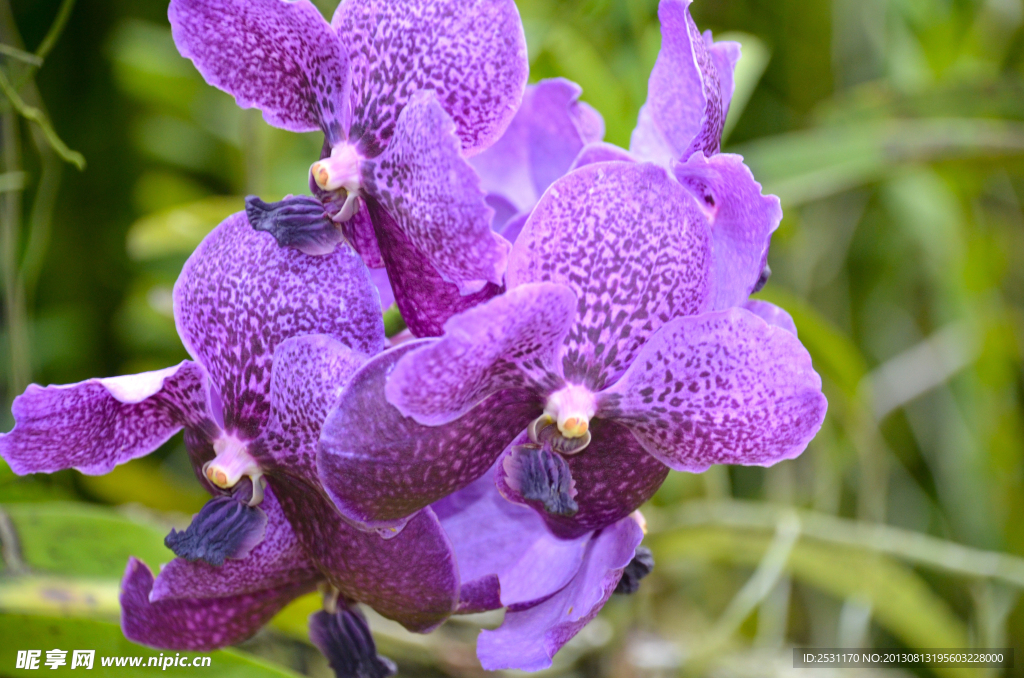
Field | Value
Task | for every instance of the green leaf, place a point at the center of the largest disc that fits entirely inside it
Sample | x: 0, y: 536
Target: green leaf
x: 181, y: 229
x: 753, y: 61
x: 23, y: 632
x: 83, y: 540
x: 145, y: 483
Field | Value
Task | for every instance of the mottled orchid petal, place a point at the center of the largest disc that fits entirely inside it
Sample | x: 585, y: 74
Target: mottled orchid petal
x: 513, y: 341
x: 97, y: 424
x: 380, y: 467
x: 276, y: 561
x: 601, y: 151
x: 529, y: 638
x: 425, y: 300
x: 240, y: 295
x: 359, y: 232
x: 298, y: 221
x: 540, y: 144
x: 726, y: 55
x: 495, y: 539
x: 435, y: 197
x: 771, y: 314
x: 197, y: 624
x: 634, y: 247
x: 684, y: 111
x: 612, y: 478
x: 719, y: 388
x: 472, y: 53
x: 742, y: 221
x: 224, y: 528
x: 279, y: 56
x: 344, y: 638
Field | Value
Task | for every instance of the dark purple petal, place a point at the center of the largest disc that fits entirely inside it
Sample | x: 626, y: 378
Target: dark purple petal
x: 684, y: 112
x: 726, y: 55
x: 742, y: 221
x: 495, y: 539
x: 281, y: 57
x: 344, y: 638
x: 472, y: 53
x: 276, y: 561
x: 613, y: 477
x: 634, y: 247
x: 97, y: 424
x: 425, y: 300
x: 225, y: 528
x: 196, y: 624
x: 434, y: 195
x: 540, y: 144
x: 240, y: 295
x: 601, y: 151
x: 638, y: 568
x: 529, y: 638
x: 720, y: 388
x: 513, y: 341
x: 380, y: 467
x: 771, y: 314
x: 359, y: 232
x: 298, y: 221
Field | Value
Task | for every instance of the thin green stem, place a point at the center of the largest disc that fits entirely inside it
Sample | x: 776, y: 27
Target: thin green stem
x: 56, y: 28
x: 39, y: 118
x: 20, y: 55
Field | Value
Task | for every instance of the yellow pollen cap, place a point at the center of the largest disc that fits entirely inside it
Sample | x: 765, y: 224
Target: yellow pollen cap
x: 320, y: 174
x: 217, y: 476
x: 574, y: 427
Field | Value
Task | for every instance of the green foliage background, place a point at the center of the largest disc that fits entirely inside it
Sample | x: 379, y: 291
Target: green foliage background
x: 893, y: 131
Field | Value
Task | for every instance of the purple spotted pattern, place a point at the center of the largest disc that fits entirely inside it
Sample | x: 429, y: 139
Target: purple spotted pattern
x: 631, y: 245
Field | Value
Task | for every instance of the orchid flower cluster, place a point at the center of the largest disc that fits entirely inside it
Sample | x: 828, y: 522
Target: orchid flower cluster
x: 580, y: 325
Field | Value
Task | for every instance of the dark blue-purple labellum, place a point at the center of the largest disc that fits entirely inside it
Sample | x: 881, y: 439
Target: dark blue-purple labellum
x: 766, y: 273
x: 226, y: 527
x: 298, y: 221
x: 344, y: 638
x: 638, y: 568
x: 539, y: 474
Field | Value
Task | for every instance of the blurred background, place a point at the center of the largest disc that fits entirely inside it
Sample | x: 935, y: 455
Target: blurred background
x: 892, y: 130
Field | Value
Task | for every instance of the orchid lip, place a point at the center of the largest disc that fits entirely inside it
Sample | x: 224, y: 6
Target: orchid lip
x: 232, y: 463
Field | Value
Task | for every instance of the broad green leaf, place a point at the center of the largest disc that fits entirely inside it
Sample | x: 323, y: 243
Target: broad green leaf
x: 143, y: 482
x: 24, y: 632
x: 393, y: 321
x: 749, y: 69
x: 60, y: 596
x: 83, y: 540
x: 179, y: 230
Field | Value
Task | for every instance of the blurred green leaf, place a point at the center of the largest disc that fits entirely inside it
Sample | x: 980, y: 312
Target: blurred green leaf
x: 181, y: 229
x: 145, y: 482
x: 60, y: 596
x: 23, y: 632
x: 753, y: 61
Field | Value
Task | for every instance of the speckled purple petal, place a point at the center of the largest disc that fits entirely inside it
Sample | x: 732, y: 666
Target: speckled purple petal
x: 472, y: 53
x: 528, y: 639
x: 726, y: 55
x: 684, y: 111
x: 97, y: 424
x: 425, y: 300
x: 494, y: 537
x: 513, y: 341
x: 281, y: 57
x: 742, y: 221
x: 380, y: 467
x: 276, y: 561
x: 240, y: 295
x: 359, y: 232
x: 196, y: 624
x: 601, y: 151
x: 435, y: 197
x: 614, y: 476
x: 540, y: 144
x: 771, y: 314
x: 720, y: 388
x: 632, y: 244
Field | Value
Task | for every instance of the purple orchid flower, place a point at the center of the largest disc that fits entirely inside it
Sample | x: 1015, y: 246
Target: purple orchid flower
x: 604, y: 365
x: 402, y: 92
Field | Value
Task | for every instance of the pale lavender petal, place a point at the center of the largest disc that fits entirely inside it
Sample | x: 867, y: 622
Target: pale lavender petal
x: 684, y: 111
x: 425, y: 300
x: 380, y: 279
x: 614, y: 476
x: 726, y: 55
x: 771, y: 314
x: 97, y: 424
x: 513, y: 227
x: 240, y: 295
x: 528, y: 639
x: 276, y: 561
x: 380, y: 467
x: 634, y: 247
x: 601, y: 151
x: 540, y: 144
x: 197, y: 624
x: 719, y: 388
x: 281, y: 57
x: 513, y: 341
x: 742, y: 221
x: 472, y: 53
x: 493, y: 537
x: 434, y: 195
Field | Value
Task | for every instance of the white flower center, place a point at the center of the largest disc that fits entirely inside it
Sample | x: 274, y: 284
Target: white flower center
x: 232, y: 463
x: 340, y: 172
x: 571, y: 409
